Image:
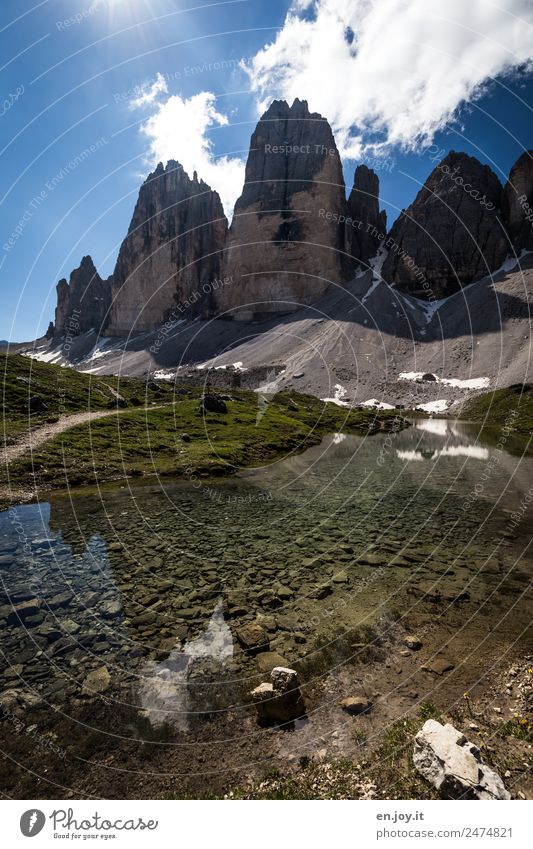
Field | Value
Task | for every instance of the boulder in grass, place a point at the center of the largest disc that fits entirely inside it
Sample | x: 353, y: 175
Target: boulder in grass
x: 211, y: 403
x: 37, y: 405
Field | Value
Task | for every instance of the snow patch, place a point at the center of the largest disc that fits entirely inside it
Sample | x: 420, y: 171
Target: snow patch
x: 471, y: 383
x: 439, y: 406
x: 429, y: 308
x: 164, y: 375
x: 44, y: 356
x: 457, y: 383
x: 270, y: 387
x: 338, y: 395
x: 210, y: 365
x: 410, y: 375
x: 410, y: 455
x: 101, y: 349
x: 379, y: 405
x: 510, y: 263
x: 376, y: 266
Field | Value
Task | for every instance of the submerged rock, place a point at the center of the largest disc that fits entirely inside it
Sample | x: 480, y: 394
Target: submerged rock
x: 268, y: 660
x: 439, y: 666
x: 21, y: 612
x: 279, y: 700
x: 253, y: 638
x: 453, y: 765
x: 97, y: 681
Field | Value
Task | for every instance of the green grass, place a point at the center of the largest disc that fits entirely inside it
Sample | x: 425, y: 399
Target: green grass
x: 519, y: 727
x: 63, y: 390
x: 137, y: 442
x: 359, y: 736
x: 511, y: 408
x: 389, y: 768
x: 427, y: 710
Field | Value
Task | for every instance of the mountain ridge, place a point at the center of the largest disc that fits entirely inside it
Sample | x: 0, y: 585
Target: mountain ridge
x: 294, y: 234
x: 296, y: 244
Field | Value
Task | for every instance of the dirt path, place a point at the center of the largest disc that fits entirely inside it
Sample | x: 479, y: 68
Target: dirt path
x: 36, y: 438
x: 29, y: 442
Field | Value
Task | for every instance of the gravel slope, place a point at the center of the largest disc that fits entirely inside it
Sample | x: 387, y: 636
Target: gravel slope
x: 353, y: 344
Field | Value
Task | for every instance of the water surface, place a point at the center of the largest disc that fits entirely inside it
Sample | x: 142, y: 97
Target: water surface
x: 146, y: 585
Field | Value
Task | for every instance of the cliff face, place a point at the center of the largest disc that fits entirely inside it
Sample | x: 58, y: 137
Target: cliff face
x: 367, y: 222
x: 287, y: 241
x: 517, y: 203
x: 294, y: 234
x: 168, y: 262
x: 83, y: 302
x: 451, y: 234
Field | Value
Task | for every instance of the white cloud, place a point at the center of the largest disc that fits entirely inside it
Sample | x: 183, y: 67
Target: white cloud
x: 147, y: 93
x: 180, y: 129
x: 400, y: 69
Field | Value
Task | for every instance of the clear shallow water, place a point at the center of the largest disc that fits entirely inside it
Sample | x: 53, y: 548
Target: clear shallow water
x: 153, y: 581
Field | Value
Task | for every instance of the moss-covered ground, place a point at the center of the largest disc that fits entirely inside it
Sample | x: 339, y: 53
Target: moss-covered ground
x: 167, y: 435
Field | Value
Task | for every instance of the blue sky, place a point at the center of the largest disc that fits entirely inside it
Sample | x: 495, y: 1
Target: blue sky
x: 94, y: 91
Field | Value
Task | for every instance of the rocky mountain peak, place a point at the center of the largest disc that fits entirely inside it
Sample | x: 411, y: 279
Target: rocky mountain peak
x: 458, y: 170
x: 83, y: 302
x: 171, y: 256
x: 283, y: 251
x: 517, y: 203
x: 281, y: 109
x: 294, y: 234
x: 289, y: 147
x: 366, y: 223
x: 451, y: 234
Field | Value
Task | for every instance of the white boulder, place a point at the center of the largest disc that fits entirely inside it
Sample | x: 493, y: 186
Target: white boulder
x: 453, y: 765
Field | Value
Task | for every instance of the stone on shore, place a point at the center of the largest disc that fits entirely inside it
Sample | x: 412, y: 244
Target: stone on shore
x: 279, y: 700
x: 453, y: 765
x: 356, y: 704
x: 412, y: 642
